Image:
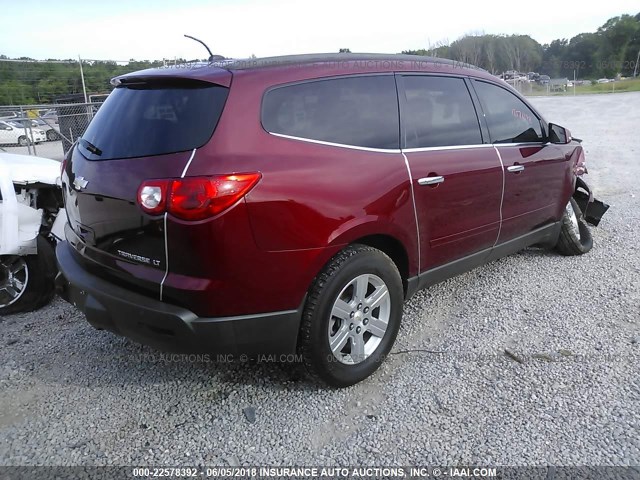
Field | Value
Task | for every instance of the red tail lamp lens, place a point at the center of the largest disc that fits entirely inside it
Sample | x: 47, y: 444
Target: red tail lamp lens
x: 195, y: 198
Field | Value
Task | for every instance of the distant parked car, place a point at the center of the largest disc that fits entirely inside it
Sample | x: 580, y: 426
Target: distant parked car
x: 50, y: 117
x: 12, y: 133
x: 50, y: 132
x: 7, y: 114
x: 51, y: 128
x: 604, y: 80
x: 544, y: 79
x: 558, y: 84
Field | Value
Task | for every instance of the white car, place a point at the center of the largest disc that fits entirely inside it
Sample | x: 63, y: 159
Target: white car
x: 31, y: 222
x: 50, y: 131
x: 12, y: 133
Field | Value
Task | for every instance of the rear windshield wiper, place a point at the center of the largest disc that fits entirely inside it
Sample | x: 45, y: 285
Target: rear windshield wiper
x: 91, y: 147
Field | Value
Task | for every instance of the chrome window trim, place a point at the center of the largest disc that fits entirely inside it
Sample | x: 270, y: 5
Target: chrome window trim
x: 331, y: 144
x: 523, y: 144
x: 447, y: 147
x: 409, y: 150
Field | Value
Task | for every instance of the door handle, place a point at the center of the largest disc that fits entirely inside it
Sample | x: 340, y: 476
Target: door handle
x: 430, y: 180
x: 515, y: 168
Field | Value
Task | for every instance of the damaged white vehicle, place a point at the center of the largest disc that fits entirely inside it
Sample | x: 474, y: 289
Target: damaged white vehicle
x: 31, y: 222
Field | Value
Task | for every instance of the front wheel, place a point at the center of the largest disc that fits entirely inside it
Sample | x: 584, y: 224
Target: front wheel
x: 23, y: 141
x: 575, y: 237
x: 27, y: 282
x: 351, y: 317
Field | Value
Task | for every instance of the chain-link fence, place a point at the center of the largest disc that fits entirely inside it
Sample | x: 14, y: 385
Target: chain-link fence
x: 46, y: 130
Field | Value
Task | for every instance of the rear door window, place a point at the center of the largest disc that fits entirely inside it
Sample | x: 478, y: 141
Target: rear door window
x: 438, y: 111
x: 360, y: 111
x: 153, y: 119
x: 509, y: 119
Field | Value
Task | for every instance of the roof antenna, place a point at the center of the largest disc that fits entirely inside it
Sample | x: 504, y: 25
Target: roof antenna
x: 212, y: 57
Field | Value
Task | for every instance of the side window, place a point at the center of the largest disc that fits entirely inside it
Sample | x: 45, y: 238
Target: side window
x: 439, y: 112
x: 360, y: 111
x: 508, y: 118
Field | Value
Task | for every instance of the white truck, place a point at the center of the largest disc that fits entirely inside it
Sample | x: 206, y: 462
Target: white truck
x: 31, y: 222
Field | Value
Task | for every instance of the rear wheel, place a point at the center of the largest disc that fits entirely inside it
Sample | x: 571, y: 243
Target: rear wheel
x: 575, y: 237
x: 52, y: 135
x: 351, y: 317
x: 27, y: 282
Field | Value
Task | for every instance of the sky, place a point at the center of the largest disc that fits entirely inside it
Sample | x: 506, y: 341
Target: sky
x: 153, y: 30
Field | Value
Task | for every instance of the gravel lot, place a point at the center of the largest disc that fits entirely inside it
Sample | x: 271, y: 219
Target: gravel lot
x: 72, y: 395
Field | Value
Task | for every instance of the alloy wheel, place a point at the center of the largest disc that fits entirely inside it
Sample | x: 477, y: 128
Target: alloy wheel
x: 359, y: 319
x: 573, y: 219
x: 14, y: 277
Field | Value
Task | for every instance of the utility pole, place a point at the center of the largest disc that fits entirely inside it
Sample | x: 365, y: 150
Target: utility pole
x: 84, y: 88
x: 635, y: 69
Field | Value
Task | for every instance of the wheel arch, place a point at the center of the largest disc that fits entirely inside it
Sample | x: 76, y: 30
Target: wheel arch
x: 396, y: 242
x: 393, y: 248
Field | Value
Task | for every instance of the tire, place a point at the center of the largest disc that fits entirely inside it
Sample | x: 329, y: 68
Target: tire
x: 23, y: 141
x: 52, y: 135
x: 338, y: 311
x: 575, y: 237
x: 35, y: 275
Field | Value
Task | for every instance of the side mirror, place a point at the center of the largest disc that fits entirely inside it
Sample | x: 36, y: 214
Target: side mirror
x: 558, y: 134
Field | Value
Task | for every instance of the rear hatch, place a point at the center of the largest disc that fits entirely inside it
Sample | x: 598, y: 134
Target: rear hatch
x: 148, y: 128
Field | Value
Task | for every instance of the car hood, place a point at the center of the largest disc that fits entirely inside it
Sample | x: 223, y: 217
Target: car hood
x: 26, y: 169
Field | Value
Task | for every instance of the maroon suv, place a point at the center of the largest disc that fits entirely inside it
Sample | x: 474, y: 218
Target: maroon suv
x: 291, y: 204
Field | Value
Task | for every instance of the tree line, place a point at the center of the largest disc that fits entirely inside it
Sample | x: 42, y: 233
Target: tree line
x: 613, y: 49
x: 25, y: 81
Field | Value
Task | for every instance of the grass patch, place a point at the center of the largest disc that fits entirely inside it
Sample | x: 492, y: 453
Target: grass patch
x: 629, y: 85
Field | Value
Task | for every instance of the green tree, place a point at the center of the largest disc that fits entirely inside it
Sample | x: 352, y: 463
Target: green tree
x: 580, y: 55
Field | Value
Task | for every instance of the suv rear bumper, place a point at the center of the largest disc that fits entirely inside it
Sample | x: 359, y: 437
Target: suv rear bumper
x: 168, y: 327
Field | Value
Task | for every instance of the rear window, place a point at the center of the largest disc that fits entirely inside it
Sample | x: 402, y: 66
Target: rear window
x: 359, y: 111
x: 154, y: 119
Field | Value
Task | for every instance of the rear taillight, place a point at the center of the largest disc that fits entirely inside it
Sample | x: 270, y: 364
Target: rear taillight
x: 194, y: 198
x: 152, y: 196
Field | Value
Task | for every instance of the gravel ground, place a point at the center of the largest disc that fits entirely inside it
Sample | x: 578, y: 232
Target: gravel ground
x: 570, y: 395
